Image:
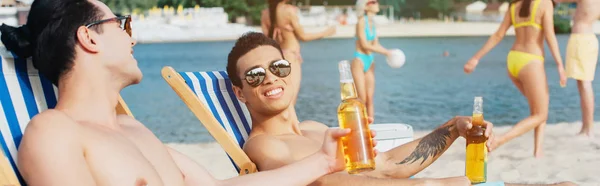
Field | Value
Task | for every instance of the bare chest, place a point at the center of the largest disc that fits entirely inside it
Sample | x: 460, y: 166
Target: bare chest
x: 303, y: 146
x: 129, y: 157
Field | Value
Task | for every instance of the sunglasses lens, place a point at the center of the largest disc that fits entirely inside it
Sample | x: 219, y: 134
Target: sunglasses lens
x: 255, y: 76
x: 281, y: 68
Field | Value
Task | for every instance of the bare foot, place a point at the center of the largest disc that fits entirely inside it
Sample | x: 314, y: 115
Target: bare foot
x: 586, y: 133
x: 538, y: 153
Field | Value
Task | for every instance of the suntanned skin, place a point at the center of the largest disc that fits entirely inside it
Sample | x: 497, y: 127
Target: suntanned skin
x: 365, y: 81
x: 83, y: 142
x: 278, y: 142
x: 276, y: 131
x: 392, y: 167
x: 270, y: 147
x: 531, y: 80
x: 288, y: 31
x: 586, y: 14
x: 277, y: 139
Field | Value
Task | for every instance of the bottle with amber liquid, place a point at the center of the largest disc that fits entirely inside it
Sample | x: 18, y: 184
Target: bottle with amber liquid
x: 352, y: 114
x: 476, y: 160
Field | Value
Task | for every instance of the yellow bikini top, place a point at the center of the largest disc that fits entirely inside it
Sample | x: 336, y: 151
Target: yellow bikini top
x: 531, y: 22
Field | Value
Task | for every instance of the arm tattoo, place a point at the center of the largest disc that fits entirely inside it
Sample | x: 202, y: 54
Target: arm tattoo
x: 431, y: 145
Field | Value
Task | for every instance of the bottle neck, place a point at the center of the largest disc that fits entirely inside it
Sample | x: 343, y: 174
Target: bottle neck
x: 478, y: 106
x: 348, y: 90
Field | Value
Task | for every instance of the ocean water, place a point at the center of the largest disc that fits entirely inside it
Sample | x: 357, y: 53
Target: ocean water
x: 427, y: 91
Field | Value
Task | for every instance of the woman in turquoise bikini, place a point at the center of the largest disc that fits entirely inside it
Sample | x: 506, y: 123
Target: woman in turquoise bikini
x: 366, y: 43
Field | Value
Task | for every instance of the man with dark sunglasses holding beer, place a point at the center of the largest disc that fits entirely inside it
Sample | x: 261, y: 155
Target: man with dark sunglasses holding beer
x: 84, y: 49
x: 261, y: 79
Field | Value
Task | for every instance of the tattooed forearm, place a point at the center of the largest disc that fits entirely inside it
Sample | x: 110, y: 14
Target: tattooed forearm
x: 430, y: 146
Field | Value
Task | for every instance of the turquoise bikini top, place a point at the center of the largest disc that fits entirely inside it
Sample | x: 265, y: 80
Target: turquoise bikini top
x: 369, y: 33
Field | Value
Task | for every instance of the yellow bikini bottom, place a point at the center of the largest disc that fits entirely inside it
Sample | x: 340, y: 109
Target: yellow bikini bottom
x: 517, y: 60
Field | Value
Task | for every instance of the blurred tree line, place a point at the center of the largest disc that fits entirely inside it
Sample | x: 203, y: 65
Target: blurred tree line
x: 251, y: 9
x: 234, y: 8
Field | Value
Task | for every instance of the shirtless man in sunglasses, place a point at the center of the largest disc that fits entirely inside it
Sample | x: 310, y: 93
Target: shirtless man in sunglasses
x: 261, y: 79
x: 84, y: 49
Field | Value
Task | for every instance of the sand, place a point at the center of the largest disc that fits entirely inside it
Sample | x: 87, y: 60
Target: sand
x: 567, y: 158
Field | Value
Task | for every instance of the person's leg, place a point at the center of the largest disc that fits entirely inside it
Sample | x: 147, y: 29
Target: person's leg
x: 539, y: 130
x: 538, y: 143
x: 359, y: 78
x: 370, y: 85
x: 581, y: 60
x: 586, y: 93
x: 517, y: 84
x: 535, y: 89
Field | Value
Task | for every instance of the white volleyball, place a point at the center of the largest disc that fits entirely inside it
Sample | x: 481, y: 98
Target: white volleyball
x: 396, y: 59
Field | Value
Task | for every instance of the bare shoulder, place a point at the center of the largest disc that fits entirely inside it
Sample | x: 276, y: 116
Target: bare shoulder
x: 360, y: 20
x: 547, y: 5
x: 265, y: 144
x: 51, y: 116
x: 47, y: 132
x: 52, y: 151
x: 267, y: 151
x: 360, y: 23
x: 50, y: 123
x: 290, y: 10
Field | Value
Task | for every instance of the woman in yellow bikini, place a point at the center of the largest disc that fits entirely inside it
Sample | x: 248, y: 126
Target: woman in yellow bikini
x: 533, y: 23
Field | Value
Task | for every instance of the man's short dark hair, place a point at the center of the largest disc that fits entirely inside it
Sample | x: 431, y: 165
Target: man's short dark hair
x: 243, y: 45
x: 49, y: 36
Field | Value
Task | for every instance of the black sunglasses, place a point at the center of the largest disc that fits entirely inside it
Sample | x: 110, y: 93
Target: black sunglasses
x: 256, y: 75
x: 124, y: 23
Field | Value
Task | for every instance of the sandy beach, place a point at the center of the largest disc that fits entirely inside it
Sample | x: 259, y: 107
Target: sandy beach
x: 567, y: 158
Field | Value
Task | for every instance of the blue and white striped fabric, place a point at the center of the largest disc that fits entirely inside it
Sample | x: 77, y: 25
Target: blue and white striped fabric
x: 215, y: 90
x: 23, y: 94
